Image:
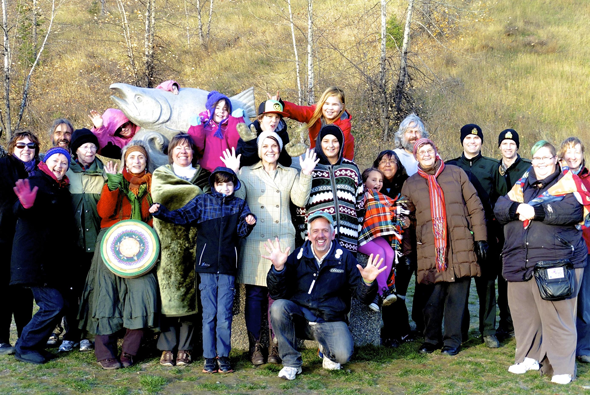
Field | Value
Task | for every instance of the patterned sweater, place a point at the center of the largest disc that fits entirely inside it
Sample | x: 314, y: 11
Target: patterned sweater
x: 338, y: 190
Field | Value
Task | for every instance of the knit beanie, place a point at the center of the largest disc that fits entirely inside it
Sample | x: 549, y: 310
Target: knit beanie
x: 264, y: 135
x: 57, y: 150
x: 421, y: 142
x: 471, y: 129
x: 81, y: 137
x: 509, y: 134
x: 271, y: 107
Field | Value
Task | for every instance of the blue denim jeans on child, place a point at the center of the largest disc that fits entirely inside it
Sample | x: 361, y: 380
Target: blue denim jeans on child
x: 289, y: 324
x: 217, y: 298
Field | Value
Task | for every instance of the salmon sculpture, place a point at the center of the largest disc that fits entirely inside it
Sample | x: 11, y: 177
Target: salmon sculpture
x: 161, y: 114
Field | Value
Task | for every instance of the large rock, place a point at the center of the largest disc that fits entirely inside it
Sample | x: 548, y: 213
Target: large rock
x: 365, y: 324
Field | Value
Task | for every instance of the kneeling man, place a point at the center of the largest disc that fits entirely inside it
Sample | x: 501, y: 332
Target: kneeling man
x: 312, y: 288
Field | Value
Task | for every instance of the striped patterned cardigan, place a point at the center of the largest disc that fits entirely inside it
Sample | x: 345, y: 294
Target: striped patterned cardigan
x: 338, y: 190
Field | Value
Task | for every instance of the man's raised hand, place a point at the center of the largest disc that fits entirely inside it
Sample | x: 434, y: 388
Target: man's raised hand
x: 372, y: 270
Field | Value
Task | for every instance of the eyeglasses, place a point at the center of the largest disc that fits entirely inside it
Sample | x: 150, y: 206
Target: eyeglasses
x: 23, y: 145
x: 543, y: 159
x: 90, y: 147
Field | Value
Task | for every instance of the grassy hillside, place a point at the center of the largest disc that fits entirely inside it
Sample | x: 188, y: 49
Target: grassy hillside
x: 518, y: 63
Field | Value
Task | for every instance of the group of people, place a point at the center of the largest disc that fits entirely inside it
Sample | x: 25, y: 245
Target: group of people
x: 234, y: 206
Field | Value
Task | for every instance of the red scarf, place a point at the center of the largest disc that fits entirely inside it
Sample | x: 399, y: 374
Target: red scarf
x: 63, y: 183
x: 438, y: 212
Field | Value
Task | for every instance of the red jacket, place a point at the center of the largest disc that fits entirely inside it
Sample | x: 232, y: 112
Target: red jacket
x: 584, y: 175
x: 114, y: 206
x: 304, y: 114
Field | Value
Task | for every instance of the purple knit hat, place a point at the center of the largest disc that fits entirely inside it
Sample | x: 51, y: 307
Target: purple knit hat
x: 212, y: 98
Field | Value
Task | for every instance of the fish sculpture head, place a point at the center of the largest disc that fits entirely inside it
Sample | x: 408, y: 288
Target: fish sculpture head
x: 143, y: 106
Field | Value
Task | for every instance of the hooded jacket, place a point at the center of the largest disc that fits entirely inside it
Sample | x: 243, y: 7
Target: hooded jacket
x: 249, y: 150
x: 325, y: 291
x: 336, y: 189
x: 220, y: 221
x: 110, y: 144
x: 305, y: 113
x: 551, y: 235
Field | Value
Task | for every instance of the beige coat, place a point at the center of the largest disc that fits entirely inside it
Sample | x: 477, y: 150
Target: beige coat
x: 269, y: 197
x: 464, y: 215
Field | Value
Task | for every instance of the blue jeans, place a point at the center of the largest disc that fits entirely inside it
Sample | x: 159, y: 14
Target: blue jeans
x: 36, y: 332
x: 583, y: 320
x: 217, y: 298
x: 289, y: 324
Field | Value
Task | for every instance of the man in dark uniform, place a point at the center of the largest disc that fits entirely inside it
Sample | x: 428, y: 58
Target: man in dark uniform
x: 511, y: 168
x: 483, y: 174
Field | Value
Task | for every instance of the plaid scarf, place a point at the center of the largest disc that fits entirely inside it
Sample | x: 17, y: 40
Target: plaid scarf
x: 381, y: 220
x: 438, y: 213
x: 569, y: 183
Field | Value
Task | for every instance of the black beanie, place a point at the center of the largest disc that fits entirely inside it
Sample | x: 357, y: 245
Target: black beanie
x: 509, y: 134
x: 471, y: 128
x: 81, y: 137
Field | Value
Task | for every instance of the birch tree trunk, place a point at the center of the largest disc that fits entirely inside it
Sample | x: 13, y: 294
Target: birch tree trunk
x: 6, y: 122
x: 403, y: 72
x: 27, y: 86
x: 149, y: 42
x: 200, y: 22
x: 382, y: 64
x: 34, y: 28
x: 127, y: 36
x: 209, y: 21
x: 297, y: 71
x: 310, y: 75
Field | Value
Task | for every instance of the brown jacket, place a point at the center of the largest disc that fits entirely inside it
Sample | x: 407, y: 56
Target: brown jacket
x: 464, y: 215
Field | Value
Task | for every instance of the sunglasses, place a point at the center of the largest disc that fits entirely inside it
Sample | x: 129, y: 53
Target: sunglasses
x: 23, y: 145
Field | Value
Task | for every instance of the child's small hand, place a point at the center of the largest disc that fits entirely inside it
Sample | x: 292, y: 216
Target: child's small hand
x: 250, y: 219
x: 155, y: 207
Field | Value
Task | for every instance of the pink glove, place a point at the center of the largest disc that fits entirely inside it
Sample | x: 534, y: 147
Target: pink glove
x: 25, y: 195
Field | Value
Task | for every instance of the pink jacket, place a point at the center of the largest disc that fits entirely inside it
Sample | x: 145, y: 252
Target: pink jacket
x: 112, y: 119
x: 168, y: 85
x: 211, y: 146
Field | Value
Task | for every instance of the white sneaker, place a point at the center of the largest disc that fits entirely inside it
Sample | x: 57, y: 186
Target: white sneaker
x: 561, y: 378
x: 67, y: 346
x: 328, y: 364
x: 524, y: 366
x: 289, y: 373
x: 86, y: 345
x: 375, y: 307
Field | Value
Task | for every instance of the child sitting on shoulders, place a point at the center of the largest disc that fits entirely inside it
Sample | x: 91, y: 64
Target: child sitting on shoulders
x: 221, y: 219
x: 382, y: 233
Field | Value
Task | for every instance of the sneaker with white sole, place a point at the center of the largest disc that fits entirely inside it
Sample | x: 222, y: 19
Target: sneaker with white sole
x: 524, y: 366
x: 86, y: 345
x: 328, y: 364
x: 561, y: 378
x: 67, y: 346
x: 289, y: 373
x: 53, y: 339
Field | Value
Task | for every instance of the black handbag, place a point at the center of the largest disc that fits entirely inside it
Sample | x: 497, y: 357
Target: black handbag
x: 556, y: 279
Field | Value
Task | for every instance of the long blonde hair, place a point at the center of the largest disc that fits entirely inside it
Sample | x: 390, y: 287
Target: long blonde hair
x: 331, y: 91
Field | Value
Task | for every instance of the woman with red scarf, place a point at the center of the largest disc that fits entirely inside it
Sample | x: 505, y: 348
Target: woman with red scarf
x: 111, y: 303
x: 450, y: 231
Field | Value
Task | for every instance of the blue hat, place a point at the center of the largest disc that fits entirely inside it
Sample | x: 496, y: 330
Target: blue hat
x: 57, y: 150
x: 320, y: 214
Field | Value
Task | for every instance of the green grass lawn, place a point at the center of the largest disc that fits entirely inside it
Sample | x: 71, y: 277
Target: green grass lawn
x: 373, y: 370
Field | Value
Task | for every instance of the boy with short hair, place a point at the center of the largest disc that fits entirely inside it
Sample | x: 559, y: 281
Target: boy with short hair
x: 221, y: 219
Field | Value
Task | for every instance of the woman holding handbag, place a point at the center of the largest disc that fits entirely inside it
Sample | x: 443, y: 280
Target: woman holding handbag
x: 541, y: 217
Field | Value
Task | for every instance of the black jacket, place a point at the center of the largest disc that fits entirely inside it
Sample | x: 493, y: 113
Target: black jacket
x: 551, y: 235
x: 326, y: 291
x: 221, y: 223
x: 11, y: 170
x: 249, y: 150
x: 506, y: 181
x: 482, y: 173
x: 45, y: 240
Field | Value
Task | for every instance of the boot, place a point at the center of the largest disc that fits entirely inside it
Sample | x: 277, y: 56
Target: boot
x: 256, y: 350
x: 273, y: 356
